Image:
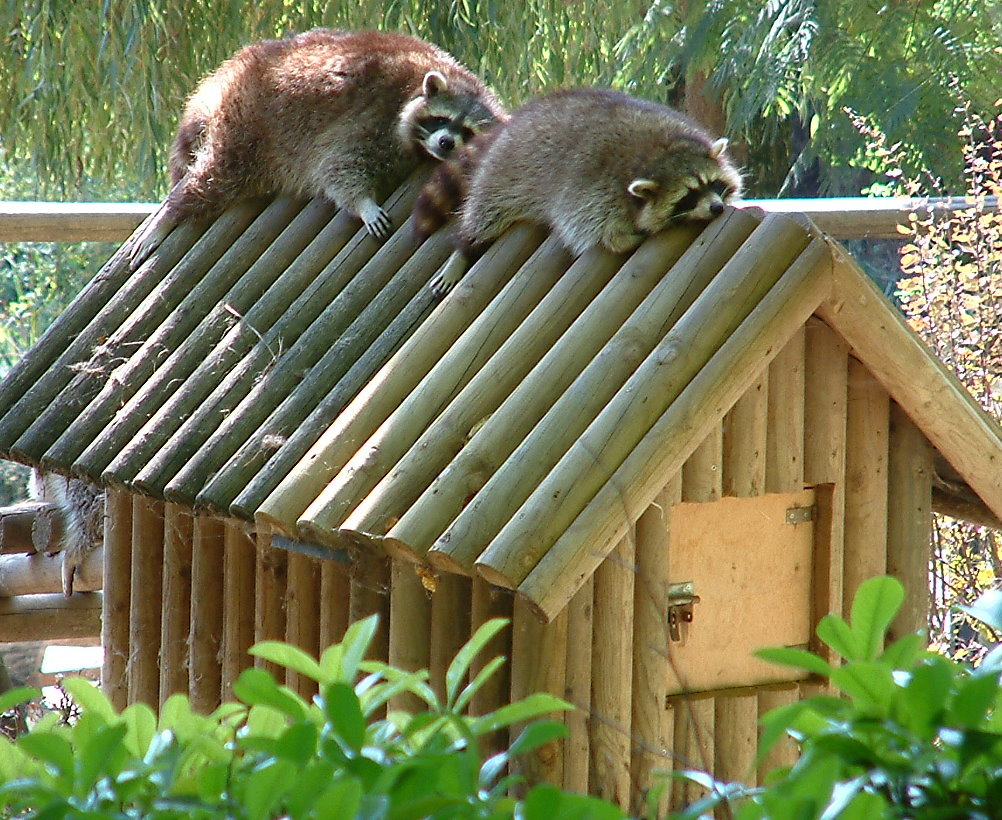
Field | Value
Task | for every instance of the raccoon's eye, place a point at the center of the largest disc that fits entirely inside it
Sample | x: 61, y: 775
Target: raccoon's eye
x: 467, y: 133
x: 718, y: 186
x: 436, y: 123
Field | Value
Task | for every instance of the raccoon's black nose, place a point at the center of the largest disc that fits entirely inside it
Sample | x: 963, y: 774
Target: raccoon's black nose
x: 446, y: 142
x: 716, y: 208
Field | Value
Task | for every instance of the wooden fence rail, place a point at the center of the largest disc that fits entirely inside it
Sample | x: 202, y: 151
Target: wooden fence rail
x: 842, y: 217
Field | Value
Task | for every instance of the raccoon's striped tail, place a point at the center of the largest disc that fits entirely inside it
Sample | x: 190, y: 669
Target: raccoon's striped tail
x: 443, y: 194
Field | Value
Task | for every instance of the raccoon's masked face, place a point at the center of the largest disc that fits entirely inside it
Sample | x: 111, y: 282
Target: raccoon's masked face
x: 441, y: 121
x: 712, y: 183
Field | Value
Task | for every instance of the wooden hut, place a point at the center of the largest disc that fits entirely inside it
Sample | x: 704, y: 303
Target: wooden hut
x: 654, y: 464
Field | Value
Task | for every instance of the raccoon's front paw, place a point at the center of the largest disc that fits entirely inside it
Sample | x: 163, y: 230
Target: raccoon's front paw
x: 376, y: 220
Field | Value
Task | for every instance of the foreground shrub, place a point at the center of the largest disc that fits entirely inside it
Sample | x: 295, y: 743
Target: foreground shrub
x: 273, y: 755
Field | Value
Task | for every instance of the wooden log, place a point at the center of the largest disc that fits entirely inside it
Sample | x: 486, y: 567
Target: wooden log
x: 538, y: 664
x: 370, y: 595
x: 622, y: 423
x: 175, y: 615
x: 352, y: 319
x: 784, y: 752
x: 488, y: 602
x: 669, y: 441
x: 577, y: 688
x: 239, y: 564
x: 346, y: 366
x: 104, y: 302
x: 745, y: 431
x: 71, y: 221
x: 909, y: 509
x: 825, y: 396
x: 50, y: 617
x: 17, y: 524
x: 179, y: 317
x: 267, y: 361
x: 269, y: 597
x: 735, y: 738
x: 207, y: 554
x: 450, y: 626
x: 702, y: 476
x: 47, y: 529
x: 784, y: 471
x: 117, y: 580
x: 302, y: 626
x: 457, y: 371
x: 915, y: 379
x: 410, y: 625
x: 139, y: 307
x: 22, y: 574
x: 652, y: 721
x: 612, y: 675
x: 395, y: 381
x: 551, y: 409
x: 145, y: 600
x: 868, y: 417
x: 695, y: 744
x: 335, y: 597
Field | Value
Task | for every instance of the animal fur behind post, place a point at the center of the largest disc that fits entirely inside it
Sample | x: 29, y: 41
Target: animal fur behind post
x: 340, y: 114
x: 596, y: 166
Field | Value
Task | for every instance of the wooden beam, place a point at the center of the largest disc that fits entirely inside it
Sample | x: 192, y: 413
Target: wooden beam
x: 51, y: 616
x: 71, y: 221
x: 23, y: 574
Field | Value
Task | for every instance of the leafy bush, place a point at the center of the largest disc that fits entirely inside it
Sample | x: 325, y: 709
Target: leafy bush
x: 275, y: 755
x: 914, y: 734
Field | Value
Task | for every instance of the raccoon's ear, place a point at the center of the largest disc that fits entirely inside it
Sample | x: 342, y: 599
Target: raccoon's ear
x: 644, y: 189
x: 434, y: 83
x: 718, y: 147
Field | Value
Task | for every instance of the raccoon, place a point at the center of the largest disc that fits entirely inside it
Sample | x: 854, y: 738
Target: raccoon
x: 80, y: 506
x: 340, y: 114
x: 596, y: 166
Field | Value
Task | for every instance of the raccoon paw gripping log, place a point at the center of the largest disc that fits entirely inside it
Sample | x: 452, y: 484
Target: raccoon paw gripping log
x: 340, y: 114
x: 595, y: 166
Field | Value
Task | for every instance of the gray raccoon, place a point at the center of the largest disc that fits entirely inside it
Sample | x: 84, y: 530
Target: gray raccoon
x: 340, y: 114
x: 80, y: 507
x: 596, y: 166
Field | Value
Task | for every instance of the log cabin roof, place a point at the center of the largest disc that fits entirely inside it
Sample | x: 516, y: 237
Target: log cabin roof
x: 279, y: 365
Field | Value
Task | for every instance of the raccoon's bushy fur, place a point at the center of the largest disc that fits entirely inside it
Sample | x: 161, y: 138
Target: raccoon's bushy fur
x: 341, y: 114
x: 596, y: 166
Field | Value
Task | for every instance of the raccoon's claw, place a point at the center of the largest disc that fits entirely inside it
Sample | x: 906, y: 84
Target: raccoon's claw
x: 448, y: 277
x: 376, y: 220
x: 154, y: 233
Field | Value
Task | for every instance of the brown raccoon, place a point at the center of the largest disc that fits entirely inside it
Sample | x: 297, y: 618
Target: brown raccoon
x: 340, y: 114
x: 596, y: 166
x: 80, y: 506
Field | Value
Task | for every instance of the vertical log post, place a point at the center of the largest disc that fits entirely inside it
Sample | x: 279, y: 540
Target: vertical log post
x: 204, y: 672
x: 577, y: 688
x: 116, y: 585
x: 370, y: 594
x: 450, y: 625
x: 145, y: 600
x: 176, y: 613
x: 302, y: 624
x: 269, y: 597
x: 488, y: 602
x: 410, y: 627
x: 909, y: 510
x: 238, y: 602
x: 335, y: 594
x: 612, y: 674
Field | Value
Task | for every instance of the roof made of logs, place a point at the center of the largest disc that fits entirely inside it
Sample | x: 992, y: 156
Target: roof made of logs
x: 280, y: 365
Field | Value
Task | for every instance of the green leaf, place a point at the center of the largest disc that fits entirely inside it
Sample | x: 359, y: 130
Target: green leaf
x: 460, y: 665
x: 987, y: 609
x: 257, y: 686
x: 475, y: 685
x: 924, y: 697
x: 50, y: 749
x: 835, y: 633
x: 869, y: 684
x: 98, y: 755
x: 797, y: 658
x: 904, y: 651
x: 289, y: 656
x: 526, y: 709
x: 298, y: 743
x: 17, y: 696
x: 341, y: 801
x: 876, y: 603
x: 357, y: 640
x: 264, y: 787
x: 89, y: 698
x: 975, y: 697
x: 344, y: 713
x: 537, y: 734
x: 141, y: 725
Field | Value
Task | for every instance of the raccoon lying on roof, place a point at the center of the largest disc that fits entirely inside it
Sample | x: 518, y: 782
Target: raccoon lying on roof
x: 596, y: 166
x: 340, y: 114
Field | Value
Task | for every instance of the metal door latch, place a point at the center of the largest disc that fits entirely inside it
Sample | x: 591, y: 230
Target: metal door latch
x: 681, y: 599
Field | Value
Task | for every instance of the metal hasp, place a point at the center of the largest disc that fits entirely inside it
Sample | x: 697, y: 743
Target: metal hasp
x: 800, y: 515
x: 681, y: 598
